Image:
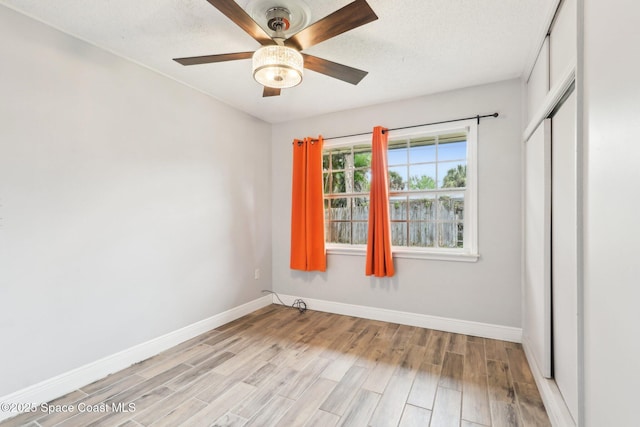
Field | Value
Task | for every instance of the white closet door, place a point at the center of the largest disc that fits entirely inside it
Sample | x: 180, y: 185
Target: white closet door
x: 537, y: 267
x: 564, y: 279
x: 562, y: 45
x: 538, y: 83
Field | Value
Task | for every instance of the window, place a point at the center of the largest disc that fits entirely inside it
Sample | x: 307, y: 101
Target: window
x: 432, y: 193
x: 347, y: 174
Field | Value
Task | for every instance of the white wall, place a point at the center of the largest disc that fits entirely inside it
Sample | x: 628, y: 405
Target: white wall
x: 487, y: 291
x: 611, y: 127
x: 130, y: 205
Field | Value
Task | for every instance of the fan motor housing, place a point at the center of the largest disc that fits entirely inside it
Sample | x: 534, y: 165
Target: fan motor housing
x: 278, y: 19
x: 299, y: 13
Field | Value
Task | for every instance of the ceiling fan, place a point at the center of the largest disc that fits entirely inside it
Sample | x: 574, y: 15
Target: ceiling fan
x: 279, y: 62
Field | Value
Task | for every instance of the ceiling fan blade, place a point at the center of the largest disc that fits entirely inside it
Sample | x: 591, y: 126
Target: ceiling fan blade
x: 270, y: 91
x: 349, y: 17
x: 208, y: 59
x: 233, y: 11
x: 333, y: 69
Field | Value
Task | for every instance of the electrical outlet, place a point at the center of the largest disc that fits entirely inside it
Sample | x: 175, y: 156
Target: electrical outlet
x: 256, y: 273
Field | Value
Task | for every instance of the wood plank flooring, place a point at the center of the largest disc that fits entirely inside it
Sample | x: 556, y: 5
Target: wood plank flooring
x: 278, y: 367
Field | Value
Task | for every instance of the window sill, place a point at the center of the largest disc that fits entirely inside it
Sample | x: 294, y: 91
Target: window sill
x: 333, y: 249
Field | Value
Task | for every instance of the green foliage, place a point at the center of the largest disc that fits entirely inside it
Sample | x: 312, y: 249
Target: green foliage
x: 362, y: 160
x: 339, y: 203
x: 423, y: 182
x: 350, y: 171
x: 338, y: 159
x: 395, y: 181
x: 338, y: 183
x: 360, y: 180
x: 456, y: 177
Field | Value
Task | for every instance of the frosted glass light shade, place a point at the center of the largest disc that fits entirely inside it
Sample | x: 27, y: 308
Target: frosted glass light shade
x: 277, y: 66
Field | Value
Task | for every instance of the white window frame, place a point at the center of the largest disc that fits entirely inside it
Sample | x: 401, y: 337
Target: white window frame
x: 467, y: 254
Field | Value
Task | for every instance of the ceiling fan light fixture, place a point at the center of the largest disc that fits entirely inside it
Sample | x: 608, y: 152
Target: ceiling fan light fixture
x: 278, y: 66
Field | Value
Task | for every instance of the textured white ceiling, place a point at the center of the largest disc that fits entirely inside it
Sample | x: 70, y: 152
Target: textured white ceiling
x: 416, y: 47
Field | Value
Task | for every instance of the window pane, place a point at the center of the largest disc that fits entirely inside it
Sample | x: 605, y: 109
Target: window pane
x: 451, y: 207
x: 341, y: 159
x: 338, y: 184
x: 452, y: 175
x: 448, y: 235
x: 339, y: 232
x: 326, y: 183
x: 398, y: 208
x: 360, y: 210
x: 458, y: 208
x: 452, y: 150
x: 423, y: 150
x: 360, y: 231
x: 362, y: 156
x: 340, y: 210
x: 397, y: 153
x: 422, y: 208
x: 361, y: 180
x: 398, y: 234
x: 422, y: 177
x: 397, y: 178
x: 445, y: 208
x: 326, y: 212
x: 422, y: 234
x: 325, y: 162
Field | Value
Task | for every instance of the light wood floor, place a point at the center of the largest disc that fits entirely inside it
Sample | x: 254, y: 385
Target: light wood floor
x: 277, y: 367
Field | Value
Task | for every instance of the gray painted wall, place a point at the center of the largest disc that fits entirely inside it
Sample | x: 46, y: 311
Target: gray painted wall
x: 487, y: 291
x: 130, y: 205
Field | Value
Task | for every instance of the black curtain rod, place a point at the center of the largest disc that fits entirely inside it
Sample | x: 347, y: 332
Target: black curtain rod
x: 478, y: 117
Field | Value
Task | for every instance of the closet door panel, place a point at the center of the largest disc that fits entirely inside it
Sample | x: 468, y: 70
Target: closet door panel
x: 563, y: 42
x: 538, y: 82
x: 537, y: 266
x: 564, y: 261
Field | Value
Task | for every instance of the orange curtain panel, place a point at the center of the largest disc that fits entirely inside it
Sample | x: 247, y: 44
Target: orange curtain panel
x: 307, y: 210
x: 379, y: 260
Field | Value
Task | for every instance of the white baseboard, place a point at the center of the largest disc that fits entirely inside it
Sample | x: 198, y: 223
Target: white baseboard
x: 485, y: 330
x: 555, y: 405
x: 67, y: 382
